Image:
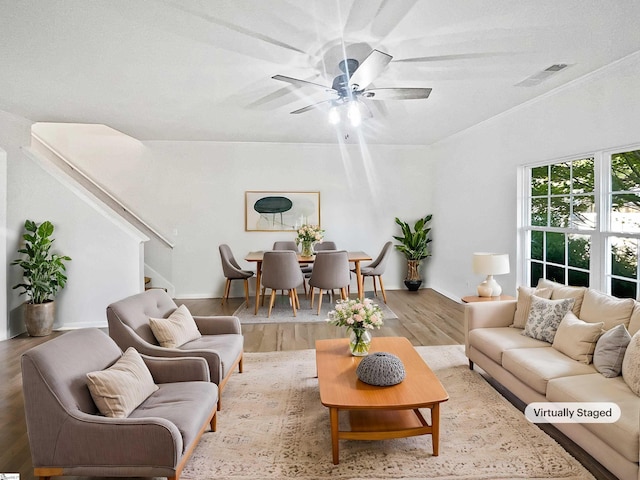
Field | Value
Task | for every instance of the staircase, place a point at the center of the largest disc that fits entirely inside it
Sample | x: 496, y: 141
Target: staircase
x: 148, y: 285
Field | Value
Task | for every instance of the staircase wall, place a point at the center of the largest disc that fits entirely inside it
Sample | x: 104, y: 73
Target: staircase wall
x: 107, y: 255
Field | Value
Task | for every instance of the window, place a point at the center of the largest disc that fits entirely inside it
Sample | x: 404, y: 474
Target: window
x: 582, y: 222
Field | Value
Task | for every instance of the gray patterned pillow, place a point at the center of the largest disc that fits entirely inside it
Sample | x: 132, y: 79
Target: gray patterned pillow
x: 545, y: 316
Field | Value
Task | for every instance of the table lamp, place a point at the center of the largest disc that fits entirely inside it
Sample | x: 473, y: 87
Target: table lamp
x: 490, y: 264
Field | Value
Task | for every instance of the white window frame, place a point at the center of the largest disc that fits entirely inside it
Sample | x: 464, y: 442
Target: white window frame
x: 600, y: 265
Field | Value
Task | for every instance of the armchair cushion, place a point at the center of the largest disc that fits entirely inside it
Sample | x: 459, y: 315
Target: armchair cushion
x: 176, y: 330
x: 119, y: 389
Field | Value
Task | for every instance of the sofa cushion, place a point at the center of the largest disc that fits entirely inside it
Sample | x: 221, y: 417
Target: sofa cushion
x: 545, y: 316
x: 631, y: 364
x: 599, y: 307
x: 536, y: 366
x: 609, y: 351
x: 576, y: 338
x: 185, y: 404
x: 494, y: 341
x: 178, y: 329
x: 623, y: 435
x: 634, y: 321
x: 119, y: 389
x: 524, y: 303
x: 564, y: 291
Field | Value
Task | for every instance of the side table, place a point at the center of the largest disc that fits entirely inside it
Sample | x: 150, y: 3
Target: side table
x: 475, y: 298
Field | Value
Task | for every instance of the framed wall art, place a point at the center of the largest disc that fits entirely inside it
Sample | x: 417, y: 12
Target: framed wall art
x: 280, y: 211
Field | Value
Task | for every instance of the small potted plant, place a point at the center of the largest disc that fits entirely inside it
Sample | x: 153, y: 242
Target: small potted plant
x: 415, y: 247
x: 43, y: 275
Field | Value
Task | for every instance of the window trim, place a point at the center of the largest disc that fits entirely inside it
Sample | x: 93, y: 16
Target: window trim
x: 600, y: 267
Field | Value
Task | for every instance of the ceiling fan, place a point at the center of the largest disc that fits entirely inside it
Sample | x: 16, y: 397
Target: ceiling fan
x: 351, y: 85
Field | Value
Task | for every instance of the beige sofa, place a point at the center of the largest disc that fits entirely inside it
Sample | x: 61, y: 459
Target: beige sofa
x: 535, y: 371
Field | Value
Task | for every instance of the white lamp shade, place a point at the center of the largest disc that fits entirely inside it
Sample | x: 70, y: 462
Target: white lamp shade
x: 491, y: 263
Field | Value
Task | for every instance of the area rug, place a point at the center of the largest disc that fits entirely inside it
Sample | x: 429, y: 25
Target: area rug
x: 273, y: 426
x: 282, y: 312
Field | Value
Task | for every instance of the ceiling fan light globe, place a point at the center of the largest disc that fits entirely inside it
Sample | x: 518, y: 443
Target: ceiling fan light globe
x: 354, y: 115
x: 334, y: 116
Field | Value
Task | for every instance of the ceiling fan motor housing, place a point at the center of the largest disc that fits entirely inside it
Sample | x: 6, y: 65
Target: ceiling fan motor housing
x: 341, y: 82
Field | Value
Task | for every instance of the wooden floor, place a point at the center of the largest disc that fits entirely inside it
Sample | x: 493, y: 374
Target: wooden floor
x: 424, y: 317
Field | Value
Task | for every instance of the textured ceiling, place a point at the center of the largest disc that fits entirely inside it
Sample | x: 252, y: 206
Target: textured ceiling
x: 201, y: 70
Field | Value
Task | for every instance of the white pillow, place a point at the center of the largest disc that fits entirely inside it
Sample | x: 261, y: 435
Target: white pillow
x: 577, y: 338
x: 545, y: 316
x: 524, y: 303
x: 178, y: 329
x: 631, y: 364
x: 118, y: 390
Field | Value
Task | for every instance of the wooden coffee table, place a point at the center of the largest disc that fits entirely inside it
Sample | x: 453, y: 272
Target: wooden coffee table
x: 378, y: 413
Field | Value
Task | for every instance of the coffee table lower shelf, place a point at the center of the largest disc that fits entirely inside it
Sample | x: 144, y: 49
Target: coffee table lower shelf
x: 384, y: 424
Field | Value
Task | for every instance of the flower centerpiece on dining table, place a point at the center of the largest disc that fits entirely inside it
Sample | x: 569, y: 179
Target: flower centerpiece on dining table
x: 307, y: 235
x: 359, y: 317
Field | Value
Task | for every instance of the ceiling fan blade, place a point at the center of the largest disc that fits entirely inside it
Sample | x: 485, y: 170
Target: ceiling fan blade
x: 361, y: 14
x: 369, y: 69
x: 300, y: 83
x: 396, y: 93
x: 455, y: 56
x: 310, y: 107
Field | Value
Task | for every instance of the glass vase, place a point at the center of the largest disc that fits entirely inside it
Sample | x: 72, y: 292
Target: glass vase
x: 359, y: 342
x: 307, y: 249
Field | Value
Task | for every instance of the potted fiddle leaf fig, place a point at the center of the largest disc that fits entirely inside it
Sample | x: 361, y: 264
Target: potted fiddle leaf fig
x: 414, y: 244
x: 44, y: 273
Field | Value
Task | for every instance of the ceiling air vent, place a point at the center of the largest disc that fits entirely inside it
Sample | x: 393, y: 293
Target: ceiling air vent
x: 539, y: 77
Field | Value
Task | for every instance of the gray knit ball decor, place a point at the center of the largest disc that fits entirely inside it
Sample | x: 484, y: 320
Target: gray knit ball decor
x: 381, y: 368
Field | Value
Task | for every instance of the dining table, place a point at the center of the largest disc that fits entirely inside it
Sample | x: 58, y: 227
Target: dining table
x: 356, y: 257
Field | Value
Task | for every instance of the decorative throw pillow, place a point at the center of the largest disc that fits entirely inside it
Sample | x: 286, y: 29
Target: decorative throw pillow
x: 577, y: 338
x: 178, y: 329
x: 118, y: 390
x: 524, y: 303
x: 565, y: 291
x: 631, y: 364
x: 600, y: 307
x: 609, y: 352
x: 545, y: 316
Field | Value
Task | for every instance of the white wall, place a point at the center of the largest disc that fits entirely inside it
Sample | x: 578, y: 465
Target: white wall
x: 194, y: 192
x: 106, y: 263
x: 475, y: 194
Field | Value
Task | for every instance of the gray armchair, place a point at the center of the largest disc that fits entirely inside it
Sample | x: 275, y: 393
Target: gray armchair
x: 221, y: 344
x: 69, y: 436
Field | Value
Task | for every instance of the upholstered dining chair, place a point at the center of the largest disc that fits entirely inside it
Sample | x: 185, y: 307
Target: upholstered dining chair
x: 232, y: 271
x: 291, y: 245
x: 325, y: 245
x: 285, y: 245
x: 376, y: 268
x: 281, y: 271
x: 307, y: 269
x: 330, y: 271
